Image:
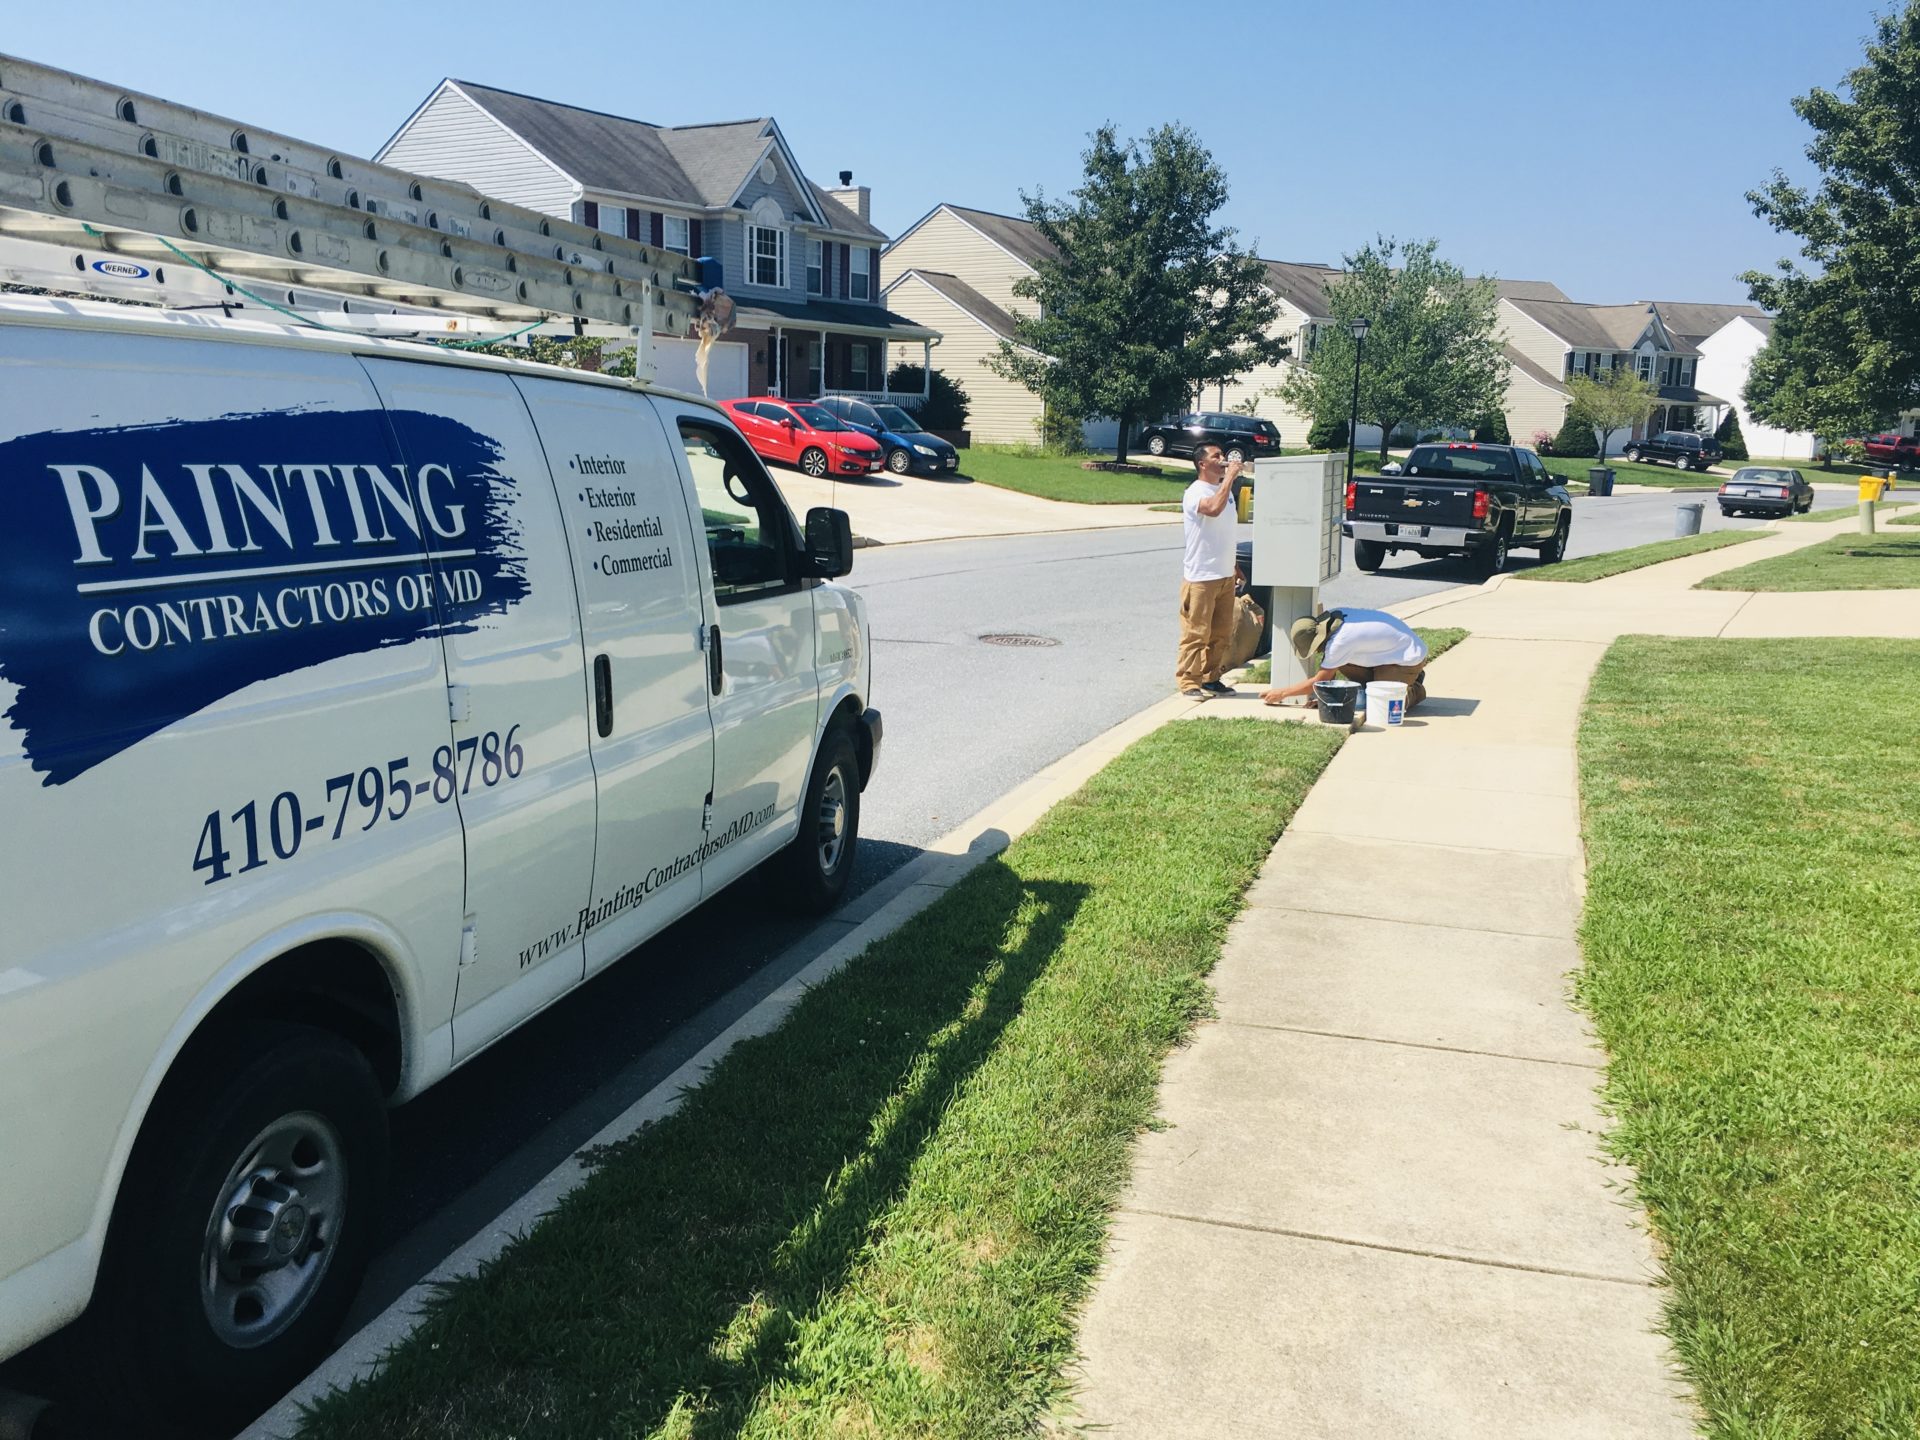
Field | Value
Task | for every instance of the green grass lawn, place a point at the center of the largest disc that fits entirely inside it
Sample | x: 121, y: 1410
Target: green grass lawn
x: 1059, y: 477
x: 1439, y: 640
x: 1752, y: 942
x: 881, y: 1219
x: 1846, y: 562
x: 1634, y: 557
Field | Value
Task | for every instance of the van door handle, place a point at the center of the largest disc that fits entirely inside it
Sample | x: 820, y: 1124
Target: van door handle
x: 715, y: 675
x: 603, y: 695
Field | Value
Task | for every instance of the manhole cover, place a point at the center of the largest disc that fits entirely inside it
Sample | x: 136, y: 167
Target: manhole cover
x: 1020, y: 642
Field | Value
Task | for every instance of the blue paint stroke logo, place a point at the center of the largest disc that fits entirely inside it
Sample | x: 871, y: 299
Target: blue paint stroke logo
x: 149, y: 571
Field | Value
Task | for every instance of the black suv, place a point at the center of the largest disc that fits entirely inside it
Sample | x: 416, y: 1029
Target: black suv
x: 1240, y: 437
x: 1681, y: 448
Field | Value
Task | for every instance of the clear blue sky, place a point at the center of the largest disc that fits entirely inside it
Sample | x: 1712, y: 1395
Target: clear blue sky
x: 1606, y: 148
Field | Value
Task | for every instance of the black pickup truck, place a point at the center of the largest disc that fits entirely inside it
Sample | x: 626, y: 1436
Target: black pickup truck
x: 1457, y: 498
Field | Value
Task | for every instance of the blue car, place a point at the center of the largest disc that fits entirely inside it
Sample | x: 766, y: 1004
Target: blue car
x: 910, y: 450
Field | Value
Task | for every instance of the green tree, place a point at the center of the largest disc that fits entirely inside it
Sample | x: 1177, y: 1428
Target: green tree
x: 1145, y: 299
x: 1733, y: 445
x: 1845, y: 347
x: 1432, y: 356
x: 1492, y: 429
x: 1617, y: 400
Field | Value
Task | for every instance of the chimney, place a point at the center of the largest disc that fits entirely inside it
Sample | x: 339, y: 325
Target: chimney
x: 857, y: 198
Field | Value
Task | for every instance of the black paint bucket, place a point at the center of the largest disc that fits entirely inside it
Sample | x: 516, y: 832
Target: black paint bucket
x: 1336, y: 699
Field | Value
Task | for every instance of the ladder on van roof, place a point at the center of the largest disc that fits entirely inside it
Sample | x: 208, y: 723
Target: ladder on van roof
x: 106, y: 191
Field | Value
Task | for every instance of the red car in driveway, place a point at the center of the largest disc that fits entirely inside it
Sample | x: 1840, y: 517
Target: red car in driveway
x: 801, y: 434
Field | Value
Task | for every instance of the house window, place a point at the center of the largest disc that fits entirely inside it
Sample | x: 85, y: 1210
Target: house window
x: 1309, y: 341
x: 1571, y: 357
x: 1646, y: 368
x: 857, y: 366
x: 857, y: 281
x: 815, y: 382
x: 613, y: 220
x: 767, y: 257
x: 676, y: 234
x: 813, y: 267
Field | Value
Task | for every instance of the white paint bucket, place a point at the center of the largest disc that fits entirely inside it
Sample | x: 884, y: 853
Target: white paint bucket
x: 1386, y: 702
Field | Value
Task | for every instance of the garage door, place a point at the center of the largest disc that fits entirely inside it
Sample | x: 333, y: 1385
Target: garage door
x: 726, y: 367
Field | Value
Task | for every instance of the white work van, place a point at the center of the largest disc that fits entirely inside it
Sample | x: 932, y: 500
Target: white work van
x: 357, y: 700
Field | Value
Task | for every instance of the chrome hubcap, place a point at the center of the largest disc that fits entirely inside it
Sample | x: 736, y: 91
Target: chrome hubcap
x: 272, y: 1235
x: 831, y: 822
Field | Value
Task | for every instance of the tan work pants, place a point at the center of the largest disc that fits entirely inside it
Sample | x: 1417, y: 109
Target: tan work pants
x: 1206, y: 630
x: 1410, y: 674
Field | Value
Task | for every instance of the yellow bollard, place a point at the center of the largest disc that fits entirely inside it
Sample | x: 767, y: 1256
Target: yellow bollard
x: 1243, y: 502
x: 1870, y: 487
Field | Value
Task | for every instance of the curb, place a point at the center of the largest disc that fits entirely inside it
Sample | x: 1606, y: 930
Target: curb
x: 909, y: 891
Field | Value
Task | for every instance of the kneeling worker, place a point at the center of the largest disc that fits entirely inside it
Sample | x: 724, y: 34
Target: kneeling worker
x: 1362, y: 645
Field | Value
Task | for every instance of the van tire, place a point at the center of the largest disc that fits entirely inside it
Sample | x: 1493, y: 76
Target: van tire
x: 150, y: 1346
x: 811, y: 881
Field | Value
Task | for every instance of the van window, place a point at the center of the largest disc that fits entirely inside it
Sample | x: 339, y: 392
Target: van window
x: 749, y: 533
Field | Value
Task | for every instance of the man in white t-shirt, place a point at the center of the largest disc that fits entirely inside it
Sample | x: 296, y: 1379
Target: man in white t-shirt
x: 1206, y: 575
x: 1363, y: 645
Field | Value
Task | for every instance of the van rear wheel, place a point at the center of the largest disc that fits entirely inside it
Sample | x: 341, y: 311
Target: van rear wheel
x: 242, y: 1228
x: 818, y: 864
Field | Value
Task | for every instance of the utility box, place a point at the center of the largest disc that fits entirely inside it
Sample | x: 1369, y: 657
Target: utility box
x: 1296, y: 520
x: 1299, y: 503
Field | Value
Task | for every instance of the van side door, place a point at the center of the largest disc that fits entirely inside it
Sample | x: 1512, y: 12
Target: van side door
x: 763, y: 685
x: 637, y: 567
x: 518, y: 762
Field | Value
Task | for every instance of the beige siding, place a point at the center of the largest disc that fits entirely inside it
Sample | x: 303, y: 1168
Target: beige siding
x: 948, y: 244
x: 455, y: 139
x: 1532, y: 339
x: 1002, y: 413
x: 1532, y: 406
x: 1262, y: 380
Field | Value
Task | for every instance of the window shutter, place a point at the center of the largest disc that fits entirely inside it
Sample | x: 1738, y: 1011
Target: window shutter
x: 846, y: 270
x: 693, y: 240
x: 591, y: 216
x: 657, y: 224
x: 633, y: 223
x: 873, y: 273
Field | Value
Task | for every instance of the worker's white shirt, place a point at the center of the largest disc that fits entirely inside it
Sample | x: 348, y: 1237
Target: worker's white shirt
x: 1373, y: 637
x: 1209, y: 540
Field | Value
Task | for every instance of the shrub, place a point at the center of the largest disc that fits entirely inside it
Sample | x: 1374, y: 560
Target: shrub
x: 1733, y: 445
x: 1492, y: 430
x: 1060, y: 433
x: 946, y: 405
x: 1543, y: 441
x: 1576, y: 440
x: 1327, y: 434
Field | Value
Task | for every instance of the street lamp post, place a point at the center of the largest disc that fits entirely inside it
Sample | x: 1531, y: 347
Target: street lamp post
x: 1359, y: 325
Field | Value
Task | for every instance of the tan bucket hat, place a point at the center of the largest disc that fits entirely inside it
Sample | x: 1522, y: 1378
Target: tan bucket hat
x: 1311, y: 633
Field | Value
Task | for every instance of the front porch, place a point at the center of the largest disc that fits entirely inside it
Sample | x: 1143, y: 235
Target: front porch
x: 801, y: 352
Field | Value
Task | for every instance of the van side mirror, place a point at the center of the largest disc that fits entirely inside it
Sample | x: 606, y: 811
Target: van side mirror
x: 829, y: 543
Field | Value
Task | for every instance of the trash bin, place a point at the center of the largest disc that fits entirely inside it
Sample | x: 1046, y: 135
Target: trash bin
x: 1600, y: 480
x: 1686, y: 519
x: 1871, y: 487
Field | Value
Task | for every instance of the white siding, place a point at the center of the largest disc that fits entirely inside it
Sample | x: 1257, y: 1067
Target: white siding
x: 455, y: 139
x: 1001, y: 412
x: 949, y: 245
x: 1725, y: 358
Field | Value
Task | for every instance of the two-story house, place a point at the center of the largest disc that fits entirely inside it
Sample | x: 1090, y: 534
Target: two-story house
x: 1558, y: 339
x: 802, y: 263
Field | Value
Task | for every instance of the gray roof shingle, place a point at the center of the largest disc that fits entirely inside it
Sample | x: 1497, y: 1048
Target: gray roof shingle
x: 968, y: 299
x: 1693, y: 321
x: 1026, y: 244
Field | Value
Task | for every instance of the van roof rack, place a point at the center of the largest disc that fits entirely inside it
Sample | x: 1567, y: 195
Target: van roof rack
x: 110, y: 192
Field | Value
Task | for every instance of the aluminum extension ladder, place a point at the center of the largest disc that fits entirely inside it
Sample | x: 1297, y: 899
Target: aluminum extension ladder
x: 109, y: 192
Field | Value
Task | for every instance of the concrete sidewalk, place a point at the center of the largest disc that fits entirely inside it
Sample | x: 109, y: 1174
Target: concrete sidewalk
x: 1378, y: 1206
x: 896, y: 510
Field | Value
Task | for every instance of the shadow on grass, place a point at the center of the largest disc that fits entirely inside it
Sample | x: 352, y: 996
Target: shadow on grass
x: 670, y: 1287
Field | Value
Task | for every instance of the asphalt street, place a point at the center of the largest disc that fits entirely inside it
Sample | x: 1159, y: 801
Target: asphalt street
x: 966, y: 721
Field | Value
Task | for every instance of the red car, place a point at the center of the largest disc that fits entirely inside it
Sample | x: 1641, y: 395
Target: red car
x: 795, y: 432
x: 1900, y: 450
